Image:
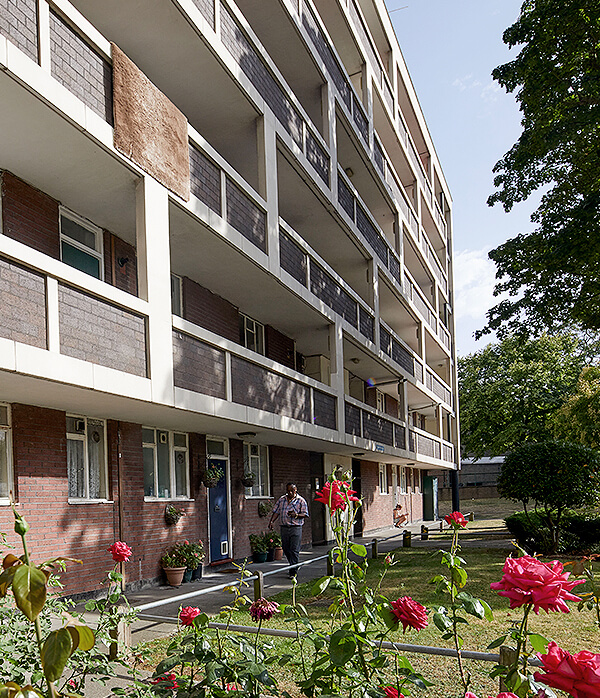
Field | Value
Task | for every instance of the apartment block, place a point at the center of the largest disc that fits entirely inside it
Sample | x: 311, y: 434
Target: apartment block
x: 225, y: 239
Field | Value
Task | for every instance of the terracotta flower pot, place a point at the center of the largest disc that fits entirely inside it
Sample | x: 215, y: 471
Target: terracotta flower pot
x: 277, y: 553
x: 174, y: 575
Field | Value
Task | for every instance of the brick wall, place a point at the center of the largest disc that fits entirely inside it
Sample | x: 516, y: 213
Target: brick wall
x: 377, y: 429
x: 366, y: 324
x: 29, y: 215
x: 279, y: 347
x: 324, y: 409
x: 287, y: 465
x: 77, y: 66
x: 123, y: 276
x: 205, y: 179
x: 292, y: 258
x: 95, y: 331
x: 324, y: 286
x: 245, y: 216
x: 198, y: 366
x: 353, y: 423
x: 371, y: 234
x: 254, y: 386
x: 317, y: 157
x: 391, y: 406
x: 259, y: 75
x: 206, y: 309
x: 207, y: 9
x: 18, y: 23
x: 394, y: 349
x: 23, y: 306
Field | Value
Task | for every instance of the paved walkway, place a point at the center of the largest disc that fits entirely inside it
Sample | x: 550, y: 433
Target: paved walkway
x: 159, y: 605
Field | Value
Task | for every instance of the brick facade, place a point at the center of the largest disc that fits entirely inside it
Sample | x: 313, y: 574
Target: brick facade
x: 120, y: 263
x: 279, y: 348
x: 29, y: 215
x: 95, y: 331
x: 206, y: 309
x: 198, y: 366
x: 18, y: 23
x: 23, y: 306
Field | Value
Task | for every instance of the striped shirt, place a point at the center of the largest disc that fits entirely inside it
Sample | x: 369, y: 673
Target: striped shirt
x: 284, y: 508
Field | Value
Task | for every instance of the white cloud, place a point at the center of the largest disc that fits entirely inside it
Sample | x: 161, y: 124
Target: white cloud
x: 474, y: 279
x: 490, y: 92
x: 466, y: 82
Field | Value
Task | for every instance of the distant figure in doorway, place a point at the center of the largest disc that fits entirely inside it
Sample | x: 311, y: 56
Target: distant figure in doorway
x: 399, y: 517
x: 293, y: 509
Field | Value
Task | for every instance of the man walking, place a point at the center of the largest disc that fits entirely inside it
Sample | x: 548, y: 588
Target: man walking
x: 293, y: 509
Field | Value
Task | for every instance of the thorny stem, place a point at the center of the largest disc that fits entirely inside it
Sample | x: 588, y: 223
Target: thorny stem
x: 522, y: 638
x: 464, y: 679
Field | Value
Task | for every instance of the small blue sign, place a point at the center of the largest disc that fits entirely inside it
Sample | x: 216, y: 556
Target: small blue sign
x: 379, y: 448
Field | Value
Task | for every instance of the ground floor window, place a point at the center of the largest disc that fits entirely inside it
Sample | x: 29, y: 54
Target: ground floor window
x: 256, y: 461
x: 86, y: 458
x: 383, y: 479
x: 5, y: 453
x: 166, y: 469
x: 402, y: 482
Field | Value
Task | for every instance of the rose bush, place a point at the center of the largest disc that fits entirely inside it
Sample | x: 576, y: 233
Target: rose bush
x: 455, y: 519
x: 187, y: 615
x: 527, y: 580
x: 336, y: 495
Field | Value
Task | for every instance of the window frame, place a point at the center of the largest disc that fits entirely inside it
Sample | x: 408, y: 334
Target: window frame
x: 7, y: 428
x: 264, y: 472
x: 172, y: 450
x: 245, y: 322
x: 76, y: 436
x: 178, y: 280
x: 384, y: 487
x: 402, y: 480
x: 96, y: 253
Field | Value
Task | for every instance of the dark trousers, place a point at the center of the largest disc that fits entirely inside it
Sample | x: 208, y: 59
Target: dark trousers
x: 291, y: 542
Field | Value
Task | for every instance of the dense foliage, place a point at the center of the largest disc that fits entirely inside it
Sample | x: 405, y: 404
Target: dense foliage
x: 579, y: 418
x: 510, y: 390
x: 551, y: 274
x: 554, y: 476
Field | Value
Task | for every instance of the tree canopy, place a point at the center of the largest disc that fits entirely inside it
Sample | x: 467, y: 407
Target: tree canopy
x: 552, y: 275
x: 510, y: 390
x: 578, y: 419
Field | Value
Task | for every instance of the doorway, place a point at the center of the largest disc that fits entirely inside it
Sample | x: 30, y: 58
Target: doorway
x: 219, y: 535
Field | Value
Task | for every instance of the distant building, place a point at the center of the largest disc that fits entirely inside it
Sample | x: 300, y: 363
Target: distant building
x: 477, y: 478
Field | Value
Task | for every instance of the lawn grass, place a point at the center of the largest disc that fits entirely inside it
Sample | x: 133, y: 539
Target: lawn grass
x: 574, y: 631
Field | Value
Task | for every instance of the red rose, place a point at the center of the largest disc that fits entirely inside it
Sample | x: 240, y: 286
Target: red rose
x: 262, y: 609
x: 167, y: 681
x: 468, y: 694
x: 576, y: 674
x: 121, y: 552
x: 410, y: 613
x: 336, y: 495
x: 527, y: 580
x: 187, y: 615
x: 455, y: 519
x: 391, y: 692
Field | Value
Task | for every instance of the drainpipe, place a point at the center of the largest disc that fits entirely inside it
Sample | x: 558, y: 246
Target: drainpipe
x: 455, y: 493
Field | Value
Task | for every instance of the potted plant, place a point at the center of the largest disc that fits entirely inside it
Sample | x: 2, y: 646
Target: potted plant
x: 174, y: 563
x: 193, y: 552
x: 172, y: 514
x: 248, y: 478
x: 265, y: 507
x: 274, y: 549
x: 213, y: 474
x: 259, y: 547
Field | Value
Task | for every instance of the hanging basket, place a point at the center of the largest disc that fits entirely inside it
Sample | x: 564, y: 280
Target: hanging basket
x: 248, y: 481
x: 210, y: 481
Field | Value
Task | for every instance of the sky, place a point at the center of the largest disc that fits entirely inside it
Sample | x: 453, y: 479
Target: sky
x: 451, y: 48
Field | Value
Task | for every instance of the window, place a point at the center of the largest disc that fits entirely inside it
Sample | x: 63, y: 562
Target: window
x: 380, y: 402
x: 86, y: 458
x: 5, y: 453
x: 383, y: 479
x: 166, y: 471
x: 256, y: 461
x: 403, y: 480
x: 81, y: 244
x: 417, y: 479
x: 176, y: 295
x: 252, y: 334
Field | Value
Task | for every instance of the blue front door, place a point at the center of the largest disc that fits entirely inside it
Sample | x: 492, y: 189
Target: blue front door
x: 219, y: 517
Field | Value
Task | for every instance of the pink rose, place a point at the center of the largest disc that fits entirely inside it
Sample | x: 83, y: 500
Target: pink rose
x: 576, y: 674
x: 468, y: 694
x: 336, y: 495
x: 167, y: 681
x: 121, y: 552
x: 455, y: 519
x: 527, y: 580
x: 187, y: 615
x: 262, y: 609
x: 410, y: 613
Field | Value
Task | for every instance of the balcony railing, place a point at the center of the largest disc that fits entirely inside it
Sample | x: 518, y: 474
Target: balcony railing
x: 424, y: 444
x: 303, y: 264
x: 364, y: 422
x: 211, y: 366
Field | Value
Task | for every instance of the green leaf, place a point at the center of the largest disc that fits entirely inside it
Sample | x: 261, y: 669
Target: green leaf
x: 320, y: 585
x: 538, y: 642
x: 342, y: 646
x: 459, y: 576
x: 81, y: 636
x: 497, y: 643
x: 359, y: 549
x: 29, y: 588
x: 56, y: 650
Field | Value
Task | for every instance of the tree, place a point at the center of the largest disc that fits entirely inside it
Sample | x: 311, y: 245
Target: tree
x: 578, y: 419
x: 509, y: 391
x: 552, y: 275
x: 554, y: 476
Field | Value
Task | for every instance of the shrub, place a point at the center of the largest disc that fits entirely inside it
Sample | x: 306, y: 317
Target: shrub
x: 579, y: 532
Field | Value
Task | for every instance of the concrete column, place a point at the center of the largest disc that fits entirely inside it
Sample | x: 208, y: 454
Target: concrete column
x: 267, y: 178
x: 154, y: 276
x: 336, y: 358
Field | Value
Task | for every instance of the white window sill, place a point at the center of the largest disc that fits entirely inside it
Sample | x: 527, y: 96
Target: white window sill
x: 90, y: 501
x: 258, y: 496
x: 168, y: 499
